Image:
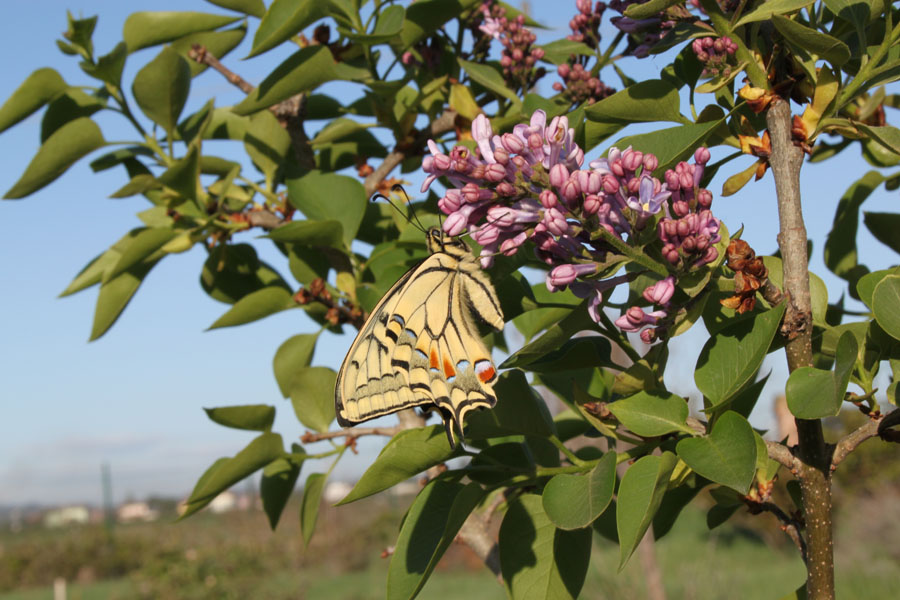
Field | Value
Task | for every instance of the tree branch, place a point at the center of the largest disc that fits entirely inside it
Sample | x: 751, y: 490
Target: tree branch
x: 783, y: 455
x: 199, y: 54
x: 441, y: 125
x: 874, y: 427
x: 789, y: 525
x: 310, y: 437
x: 815, y: 485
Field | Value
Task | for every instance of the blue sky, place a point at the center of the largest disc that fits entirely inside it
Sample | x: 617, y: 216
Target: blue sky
x: 134, y: 397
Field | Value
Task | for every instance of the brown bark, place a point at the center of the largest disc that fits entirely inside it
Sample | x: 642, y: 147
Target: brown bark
x: 814, y: 471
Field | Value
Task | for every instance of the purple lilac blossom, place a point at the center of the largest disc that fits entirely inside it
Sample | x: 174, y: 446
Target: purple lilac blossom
x: 530, y: 184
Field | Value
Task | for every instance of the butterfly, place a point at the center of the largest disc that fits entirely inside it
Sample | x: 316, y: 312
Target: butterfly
x: 420, y: 345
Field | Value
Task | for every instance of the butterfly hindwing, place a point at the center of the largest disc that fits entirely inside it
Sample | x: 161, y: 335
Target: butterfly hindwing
x: 420, y: 345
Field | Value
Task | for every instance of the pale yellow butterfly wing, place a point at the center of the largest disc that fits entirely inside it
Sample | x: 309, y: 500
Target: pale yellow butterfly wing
x: 420, y: 345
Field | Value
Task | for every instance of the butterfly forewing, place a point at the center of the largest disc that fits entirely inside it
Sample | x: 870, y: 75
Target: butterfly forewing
x: 420, y: 345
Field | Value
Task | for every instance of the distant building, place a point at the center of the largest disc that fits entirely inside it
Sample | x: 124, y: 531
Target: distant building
x: 131, y: 512
x: 336, y: 490
x: 67, y: 515
x: 224, y: 502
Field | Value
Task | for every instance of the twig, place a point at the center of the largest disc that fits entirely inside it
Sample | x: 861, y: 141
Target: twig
x: 198, y: 53
x: 783, y: 455
x: 789, y: 525
x: 875, y: 426
x: 310, y: 437
x: 442, y: 124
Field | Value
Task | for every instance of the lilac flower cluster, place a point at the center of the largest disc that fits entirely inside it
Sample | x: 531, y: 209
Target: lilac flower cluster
x: 518, y: 58
x: 530, y: 185
x: 579, y: 85
x: 714, y: 54
x: 585, y: 25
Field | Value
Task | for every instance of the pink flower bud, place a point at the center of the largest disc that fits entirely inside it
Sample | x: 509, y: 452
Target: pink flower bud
x: 559, y: 175
x: 548, y: 199
x: 661, y: 291
x: 495, y: 173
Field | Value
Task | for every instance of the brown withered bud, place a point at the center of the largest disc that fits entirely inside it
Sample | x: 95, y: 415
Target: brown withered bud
x: 333, y: 316
x: 322, y: 34
x: 597, y: 409
x: 364, y: 169
x: 303, y: 296
x: 317, y: 286
x: 750, y: 274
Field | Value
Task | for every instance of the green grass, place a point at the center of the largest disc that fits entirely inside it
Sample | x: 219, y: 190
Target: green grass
x: 236, y: 556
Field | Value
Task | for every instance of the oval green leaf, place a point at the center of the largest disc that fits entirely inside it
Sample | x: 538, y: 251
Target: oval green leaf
x: 38, y: 89
x: 731, y: 357
x: 652, y: 413
x: 254, y: 8
x: 283, y: 20
x: 309, y: 506
x: 161, y: 88
x: 115, y: 295
x: 407, y: 454
x: 312, y: 396
x: 276, y: 486
x: 144, y: 29
x: 642, y: 102
x: 69, y: 143
x: 727, y: 455
x: 254, y: 417
x: 886, y: 305
x: 303, y: 71
x: 575, y: 501
x: 329, y: 234
x: 294, y: 354
x: 430, y: 526
x: 329, y: 197
x: 256, y: 305
x: 538, y: 560
x: 639, y: 497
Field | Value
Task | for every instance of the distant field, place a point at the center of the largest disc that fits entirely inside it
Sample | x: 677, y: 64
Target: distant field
x: 235, y: 556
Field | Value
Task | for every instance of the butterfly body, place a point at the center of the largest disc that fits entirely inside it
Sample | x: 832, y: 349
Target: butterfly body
x: 420, y: 345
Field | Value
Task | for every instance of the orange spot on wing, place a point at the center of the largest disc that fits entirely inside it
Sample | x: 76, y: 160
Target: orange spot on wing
x: 487, y: 374
x: 434, y: 359
x: 448, y: 369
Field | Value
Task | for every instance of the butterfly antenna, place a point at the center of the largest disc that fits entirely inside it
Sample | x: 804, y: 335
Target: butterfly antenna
x: 398, y: 189
x: 397, y: 208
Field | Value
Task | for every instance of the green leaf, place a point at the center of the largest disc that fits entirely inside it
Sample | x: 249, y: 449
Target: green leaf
x: 292, y: 356
x: 283, y: 20
x: 92, y: 272
x: 538, y: 560
x: 387, y: 28
x: 38, y: 89
x: 69, y: 143
x: 578, y: 353
x: 255, y: 8
x: 144, y: 29
x: 254, y: 417
x: 731, y: 357
x: 652, y: 413
x: 329, y: 197
x: 489, y: 77
x: 425, y: 17
x: 519, y: 410
x: 226, y: 472
x: 278, y: 481
x: 407, y: 454
x: 886, y: 305
x: 217, y: 43
x: 267, y: 143
x: 142, y: 246
x: 840, y: 247
x: 800, y: 36
x: 671, y: 145
x: 642, y: 102
x: 312, y: 395
x: 648, y: 9
x: 887, y: 136
x: 115, y: 295
x: 329, y: 234
x: 765, y: 10
x: 233, y: 271
x: 108, y: 67
x: 815, y: 393
x: 575, y: 501
x: 727, y: 455
x: 577, y: 320
x: 309, y: 506
x: 559, y: 51
x: 66, y: 107
x: 430, y: 526
x: 303, y: 71
x: 256, y: 305
x: 161, y: 88
x: 885, y: 227
x: 639, y: 497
